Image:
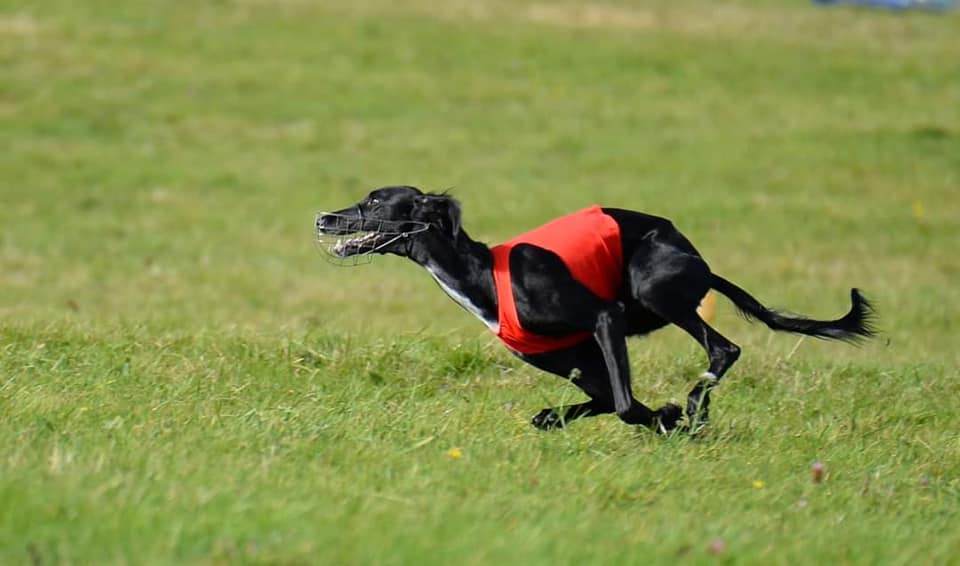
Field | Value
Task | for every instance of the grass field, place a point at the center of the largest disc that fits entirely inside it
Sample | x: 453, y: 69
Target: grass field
x: 184, y: 380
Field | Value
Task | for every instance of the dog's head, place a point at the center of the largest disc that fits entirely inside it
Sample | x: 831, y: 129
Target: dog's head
x: 389, y: 220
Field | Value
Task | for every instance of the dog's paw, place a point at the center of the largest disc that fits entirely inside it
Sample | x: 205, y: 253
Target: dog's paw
x: 667, y: 418
x: 547, y: 419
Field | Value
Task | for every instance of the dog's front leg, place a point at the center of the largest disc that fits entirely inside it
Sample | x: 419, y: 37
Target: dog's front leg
x: 559, y: 417
x: 610, y: 334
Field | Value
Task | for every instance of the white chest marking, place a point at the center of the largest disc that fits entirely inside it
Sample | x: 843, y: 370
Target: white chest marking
x: 463, y: 301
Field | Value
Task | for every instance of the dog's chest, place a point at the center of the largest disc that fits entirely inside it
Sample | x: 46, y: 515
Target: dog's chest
x: 464, y: 301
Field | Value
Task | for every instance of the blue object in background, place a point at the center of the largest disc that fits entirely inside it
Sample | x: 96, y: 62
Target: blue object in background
x: 896, y: 4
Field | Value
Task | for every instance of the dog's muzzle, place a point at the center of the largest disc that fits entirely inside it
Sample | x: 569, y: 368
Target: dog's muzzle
x: 351, y: 240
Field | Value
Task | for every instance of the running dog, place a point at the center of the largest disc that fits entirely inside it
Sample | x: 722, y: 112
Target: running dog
x: 564, y: 297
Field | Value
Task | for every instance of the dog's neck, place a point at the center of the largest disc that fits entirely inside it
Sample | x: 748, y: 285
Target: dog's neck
x: 464, y: 270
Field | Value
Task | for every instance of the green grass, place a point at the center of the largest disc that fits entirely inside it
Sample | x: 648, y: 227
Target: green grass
x: 184, y: 380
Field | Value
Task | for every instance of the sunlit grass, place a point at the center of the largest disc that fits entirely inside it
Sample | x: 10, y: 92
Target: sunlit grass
x: 184, y: 380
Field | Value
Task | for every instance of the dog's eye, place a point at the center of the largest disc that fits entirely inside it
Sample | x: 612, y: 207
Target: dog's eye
x: 373, y: 201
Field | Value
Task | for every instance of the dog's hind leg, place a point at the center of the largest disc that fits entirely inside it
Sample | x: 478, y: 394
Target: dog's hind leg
x: 669, y: 281
x: 721, y: 352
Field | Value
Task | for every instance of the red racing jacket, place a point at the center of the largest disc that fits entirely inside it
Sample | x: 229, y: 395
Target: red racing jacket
x: 589, y: 244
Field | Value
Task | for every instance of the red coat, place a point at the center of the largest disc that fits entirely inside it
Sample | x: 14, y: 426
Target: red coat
x: 589, y: 244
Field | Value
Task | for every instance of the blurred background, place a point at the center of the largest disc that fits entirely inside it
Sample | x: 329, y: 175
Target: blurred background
x: 162, y: 161
x: 185, y: 380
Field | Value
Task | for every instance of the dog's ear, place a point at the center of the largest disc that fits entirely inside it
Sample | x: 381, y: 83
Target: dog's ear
x: 441, y: 210
x: 453, y: 213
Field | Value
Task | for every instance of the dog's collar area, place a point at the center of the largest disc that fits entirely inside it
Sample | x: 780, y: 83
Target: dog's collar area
x: 351, y: 240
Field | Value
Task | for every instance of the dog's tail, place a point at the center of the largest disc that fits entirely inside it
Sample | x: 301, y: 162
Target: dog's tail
x: 855, y: 326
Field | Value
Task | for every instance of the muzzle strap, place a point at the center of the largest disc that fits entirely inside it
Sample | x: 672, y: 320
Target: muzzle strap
x: 353, y: 240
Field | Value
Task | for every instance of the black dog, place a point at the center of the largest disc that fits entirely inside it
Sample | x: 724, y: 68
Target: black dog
x: 661, y: 280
